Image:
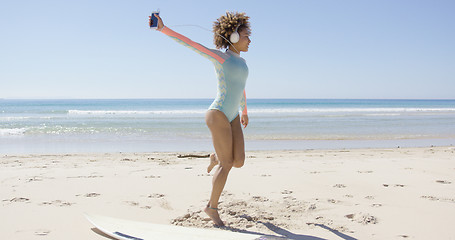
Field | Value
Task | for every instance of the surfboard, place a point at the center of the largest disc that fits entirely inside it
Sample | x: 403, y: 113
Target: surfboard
x: 134, y: 230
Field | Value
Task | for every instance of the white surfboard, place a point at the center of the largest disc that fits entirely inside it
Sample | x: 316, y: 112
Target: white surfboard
x: 132, y: 230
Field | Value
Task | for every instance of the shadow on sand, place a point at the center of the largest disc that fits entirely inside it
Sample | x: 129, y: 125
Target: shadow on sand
x: 99, y: 232
x: 284, y: 234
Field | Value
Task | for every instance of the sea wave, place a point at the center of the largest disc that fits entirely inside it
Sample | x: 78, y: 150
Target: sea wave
x: 9, y: 119
x: 349, y: 110
x: 336, y: 137
x: 378, y: 111
x: 12, y: 131
x: 134, y: 112
x: 13, y: 118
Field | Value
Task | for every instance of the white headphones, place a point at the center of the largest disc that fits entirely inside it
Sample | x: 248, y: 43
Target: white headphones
x: 235, y: 36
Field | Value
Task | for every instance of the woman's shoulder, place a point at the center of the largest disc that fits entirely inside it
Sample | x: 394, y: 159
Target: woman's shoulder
x: 220, y: 53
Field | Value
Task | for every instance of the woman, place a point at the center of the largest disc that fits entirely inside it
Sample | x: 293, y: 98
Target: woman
x: 223, y: 118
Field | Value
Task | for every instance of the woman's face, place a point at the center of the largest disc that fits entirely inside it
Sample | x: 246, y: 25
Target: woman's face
x: 244, y: 41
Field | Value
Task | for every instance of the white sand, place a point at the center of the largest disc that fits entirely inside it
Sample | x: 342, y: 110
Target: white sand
x: 316, y: 194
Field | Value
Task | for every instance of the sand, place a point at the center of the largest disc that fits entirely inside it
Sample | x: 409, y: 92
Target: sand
x: 401, y: 193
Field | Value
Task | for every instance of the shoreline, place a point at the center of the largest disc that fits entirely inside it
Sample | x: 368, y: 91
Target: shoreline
x: 205, y: 152
x: 375, y: 193
x: 47, y: 145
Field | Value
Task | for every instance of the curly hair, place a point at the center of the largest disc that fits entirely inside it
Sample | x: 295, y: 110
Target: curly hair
x: 226, y: 25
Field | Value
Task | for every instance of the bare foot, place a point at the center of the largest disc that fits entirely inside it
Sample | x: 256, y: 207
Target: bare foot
x: 213, y: 214
x: 213, y: 162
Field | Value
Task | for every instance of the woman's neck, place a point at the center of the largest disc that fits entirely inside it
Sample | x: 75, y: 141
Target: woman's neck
x: 233, y: 49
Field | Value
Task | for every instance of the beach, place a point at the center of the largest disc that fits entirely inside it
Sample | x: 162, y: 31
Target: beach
x: 388, y: 193
x: 350, y: 132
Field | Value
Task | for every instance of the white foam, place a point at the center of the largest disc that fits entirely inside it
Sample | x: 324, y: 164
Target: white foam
x: 378, y: 111
x: 349, y: 110
x: 382, y: 114
x: 12, y: 131
x: 13, y: 118
x: 129, y: 112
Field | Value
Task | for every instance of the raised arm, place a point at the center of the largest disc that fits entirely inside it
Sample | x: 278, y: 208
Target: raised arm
x: 213, y: 55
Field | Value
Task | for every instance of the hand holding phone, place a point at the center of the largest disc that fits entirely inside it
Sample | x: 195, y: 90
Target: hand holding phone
x: 153, y: 20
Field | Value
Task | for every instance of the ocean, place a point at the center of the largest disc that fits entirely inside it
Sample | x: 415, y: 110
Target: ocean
x: 150, y: 125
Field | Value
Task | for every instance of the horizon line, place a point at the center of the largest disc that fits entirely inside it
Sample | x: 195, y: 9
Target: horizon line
x: 212, y: 98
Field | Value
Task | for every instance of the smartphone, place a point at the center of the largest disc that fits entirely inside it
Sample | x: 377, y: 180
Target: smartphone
x: 154, y: 20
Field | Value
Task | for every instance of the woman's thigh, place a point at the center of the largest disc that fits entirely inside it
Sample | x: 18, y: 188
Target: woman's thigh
x: 238, y: 143
x: 221, y: 135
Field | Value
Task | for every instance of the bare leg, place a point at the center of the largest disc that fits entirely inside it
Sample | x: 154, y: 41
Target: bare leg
x: 221, y: 131
x: 238, y: 143
x: 238, y: 146
x: 213, y: 162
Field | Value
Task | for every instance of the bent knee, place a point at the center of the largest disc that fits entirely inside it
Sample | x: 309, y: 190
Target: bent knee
x: 227, y: 165
x: 239, y: 162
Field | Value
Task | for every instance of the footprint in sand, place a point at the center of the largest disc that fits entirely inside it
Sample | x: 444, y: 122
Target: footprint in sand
x: 430, y: 198
x: 156, y: 195
x: 311, y: 207
x: 286, y: 192
x: 260, y: 199
x: 439, y: 199
x: 58, y: 203
x: 89, y: 176
x: 367, y: 219
x: 395, y: 185
x: 18, y: 199
x: 443, y: 182
x: 42, y: 232
x: 131, y: 203
x: 128, y: 160
x: 363, y: 218
x: 34, y: 179
x: 93, y: 194
x: 204, y: 175
x: 152, y: 176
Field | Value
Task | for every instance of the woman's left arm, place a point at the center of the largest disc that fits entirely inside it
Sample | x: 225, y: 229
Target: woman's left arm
x: 244, y: 117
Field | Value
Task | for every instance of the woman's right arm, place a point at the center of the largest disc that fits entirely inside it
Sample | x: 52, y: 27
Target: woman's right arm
x: 208, y: 53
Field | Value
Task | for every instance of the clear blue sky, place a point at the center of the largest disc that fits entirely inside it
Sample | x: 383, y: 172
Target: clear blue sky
x: 299, y: 49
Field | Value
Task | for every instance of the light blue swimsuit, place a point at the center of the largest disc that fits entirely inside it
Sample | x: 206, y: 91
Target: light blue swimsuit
x: 231, y: 71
